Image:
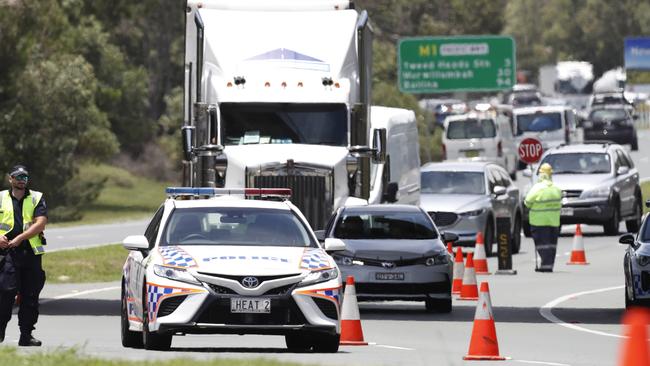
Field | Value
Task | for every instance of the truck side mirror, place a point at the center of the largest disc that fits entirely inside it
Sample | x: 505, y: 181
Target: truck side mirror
x: 379, y: 145
x: 187, y: 133
x: 390, y: 195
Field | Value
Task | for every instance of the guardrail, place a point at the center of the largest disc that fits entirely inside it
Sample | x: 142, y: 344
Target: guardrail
x: 643, y: 122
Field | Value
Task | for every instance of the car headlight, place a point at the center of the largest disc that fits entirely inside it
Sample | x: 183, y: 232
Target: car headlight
x: 472, y: 213
x: 320, y: 276
x: 602, y: 191
x: 442, y: 258
x: 642, y: 260
x: 347, y: 261
x: 176, y: 274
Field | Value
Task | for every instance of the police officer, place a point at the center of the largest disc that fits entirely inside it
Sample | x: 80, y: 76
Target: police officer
x: 23, y: 216
x: 544, y: 201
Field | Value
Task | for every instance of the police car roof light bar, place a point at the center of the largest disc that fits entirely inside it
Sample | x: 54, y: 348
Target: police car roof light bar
x: 195, y: 192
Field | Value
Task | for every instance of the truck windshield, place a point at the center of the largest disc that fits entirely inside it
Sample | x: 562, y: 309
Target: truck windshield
x: 453, y: 182
x: 284, y: 123
x: 244, y: 226
x: 385, y: 225
x: 579, y: 163
x: 471, y: 129
x: 538, y: 122
x: 604, y: 115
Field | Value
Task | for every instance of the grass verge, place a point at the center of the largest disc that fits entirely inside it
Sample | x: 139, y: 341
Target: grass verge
x: 98, y: 264
x: 9, y: 356
x: 124, y: 196
x: 645, y: 190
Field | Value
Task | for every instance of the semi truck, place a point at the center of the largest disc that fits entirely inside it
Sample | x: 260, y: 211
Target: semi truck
x: 278, y: 94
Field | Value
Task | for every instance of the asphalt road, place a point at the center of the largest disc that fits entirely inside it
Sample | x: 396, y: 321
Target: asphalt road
x: 92, y: 235
x: 569, y: 317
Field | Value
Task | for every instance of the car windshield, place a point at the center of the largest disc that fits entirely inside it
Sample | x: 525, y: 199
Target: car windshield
x: 538, y: 122
x: 235, y: 226
x: 385, y: 225
x: 471, y: 129
x: 579, y: 163
x: 452, y: 182
x: 283, y: 123
x: 603, y: 115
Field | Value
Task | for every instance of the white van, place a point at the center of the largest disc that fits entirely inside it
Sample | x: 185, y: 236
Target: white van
x: 552, y: 125
x: 481, y: 136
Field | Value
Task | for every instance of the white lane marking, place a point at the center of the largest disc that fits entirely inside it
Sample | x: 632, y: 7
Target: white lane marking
x: 543, y: 363
x: 80, y: 293
x: 395, y: 347
x: 546, y: 311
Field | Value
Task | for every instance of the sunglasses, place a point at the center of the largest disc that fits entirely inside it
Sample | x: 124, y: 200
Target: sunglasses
x: 22, y: 177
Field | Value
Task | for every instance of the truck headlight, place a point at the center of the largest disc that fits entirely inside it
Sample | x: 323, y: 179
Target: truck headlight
x: 602, y: 191
x: 642, y: 260
x: 320, y: 276
x: 472, y: 213
x: 175, y: 274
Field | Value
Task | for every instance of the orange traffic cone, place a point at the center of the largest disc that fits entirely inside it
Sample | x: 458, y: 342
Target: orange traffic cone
x: 450, y: 248
x: 469, y: 290
x: 351, y: 332
x: 480, y: 259
x: 578, y: 251
x: 484, y: 344
x: 634, y: 351
x: 459, y: 270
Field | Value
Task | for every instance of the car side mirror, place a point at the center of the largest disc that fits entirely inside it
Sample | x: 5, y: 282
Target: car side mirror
x: 449, y: 237
x: 320, y: 235
x: 527, y: 173
x: 135, y: 242
x: 499, y: 190
x: 626, y: 239
x: 334, y: 245
x: 622, y: 170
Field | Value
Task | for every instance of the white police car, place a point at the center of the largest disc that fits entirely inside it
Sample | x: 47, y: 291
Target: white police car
x: 226, y: 264
x: 636, y: 264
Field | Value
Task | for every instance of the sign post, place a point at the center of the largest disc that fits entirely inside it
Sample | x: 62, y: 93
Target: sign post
x: 462, y: 63
x: 504, y: 238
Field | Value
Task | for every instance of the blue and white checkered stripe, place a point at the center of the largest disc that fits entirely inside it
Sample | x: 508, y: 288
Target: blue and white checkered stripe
x: 177, y: 257
x: 246, y: 258
x: 315, y: 259
x: 332, y: 293
x: 638, y: 290
x: 154, y: 294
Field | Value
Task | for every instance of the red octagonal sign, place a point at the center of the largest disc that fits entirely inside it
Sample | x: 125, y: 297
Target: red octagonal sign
x: 530, y: 150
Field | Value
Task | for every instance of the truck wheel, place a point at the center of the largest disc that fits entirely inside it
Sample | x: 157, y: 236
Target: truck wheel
x: 327, y: 343
x: 130, y: 338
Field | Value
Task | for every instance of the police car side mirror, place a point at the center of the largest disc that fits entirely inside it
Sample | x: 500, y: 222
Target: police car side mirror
x: 334, y: 245
x: 626, y: 239
x: 135, y: 242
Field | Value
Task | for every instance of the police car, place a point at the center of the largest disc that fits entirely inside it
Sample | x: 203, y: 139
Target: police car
x: 239, y: 261
x: 636, y: 265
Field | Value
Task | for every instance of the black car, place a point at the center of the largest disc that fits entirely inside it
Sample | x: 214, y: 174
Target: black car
x: 611, y: 123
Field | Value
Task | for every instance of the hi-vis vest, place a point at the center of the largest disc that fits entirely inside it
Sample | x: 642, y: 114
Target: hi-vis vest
x: 544, y: 201
x: 7, y: 217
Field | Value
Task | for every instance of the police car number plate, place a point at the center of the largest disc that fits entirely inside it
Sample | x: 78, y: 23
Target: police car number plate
x: 396, y: 276
x: 255, y: 305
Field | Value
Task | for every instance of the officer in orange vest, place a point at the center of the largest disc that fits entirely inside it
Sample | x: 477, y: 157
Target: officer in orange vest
x: 23, y: 216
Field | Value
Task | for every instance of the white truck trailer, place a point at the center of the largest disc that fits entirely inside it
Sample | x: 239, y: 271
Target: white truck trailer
x: 277, y: 94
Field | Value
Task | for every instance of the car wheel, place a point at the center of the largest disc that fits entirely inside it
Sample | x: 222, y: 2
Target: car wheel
x: 629, y: 301
x: 153, y: 340
x: 438, y: 305
x: 516, y: 236
x: 488, y: 237
x: 611, y: 226
x: 327, y: 343
x: 633, y: 225
x: 526, y: 228
x: 130, y: 338
x: 298, y: 342
x: 635, y: 144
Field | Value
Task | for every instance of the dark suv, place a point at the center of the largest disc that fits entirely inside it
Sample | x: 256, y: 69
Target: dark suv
x: 611, y: 123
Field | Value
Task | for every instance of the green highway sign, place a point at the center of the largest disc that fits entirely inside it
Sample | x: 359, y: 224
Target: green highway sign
x: 463, y: 63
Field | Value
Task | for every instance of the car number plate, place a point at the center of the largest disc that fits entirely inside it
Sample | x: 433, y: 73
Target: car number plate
x: 255, y: 305
x: 566, y: 211
x: 471, y: 153
x: 396, y: 276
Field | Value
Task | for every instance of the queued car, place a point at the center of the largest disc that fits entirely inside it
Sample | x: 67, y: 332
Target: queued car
x: 483, y: 135
x: 226, y: 264
x: 599, y: 183
x: 394, y: 252
x: 465, y: 198
x: 612, y: 123
x: 636, y: 265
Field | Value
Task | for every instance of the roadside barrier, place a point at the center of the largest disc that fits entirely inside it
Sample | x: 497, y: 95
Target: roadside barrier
x: 484, y: 344
x: 459, y: 271
x: 351, y: 332
x: 450, y: 248
x: 634, y: 351
x: 480, y: 259
x: 578, y: 252
x: 469, y: 290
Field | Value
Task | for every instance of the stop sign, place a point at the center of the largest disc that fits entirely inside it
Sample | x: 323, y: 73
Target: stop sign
x: 530, y: 150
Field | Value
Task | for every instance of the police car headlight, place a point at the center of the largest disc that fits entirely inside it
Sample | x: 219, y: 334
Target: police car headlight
x: 320, y: 276
x: 602, y: 191
x: 472, y: 213
x: 642, y: 260
x: 175, y: 274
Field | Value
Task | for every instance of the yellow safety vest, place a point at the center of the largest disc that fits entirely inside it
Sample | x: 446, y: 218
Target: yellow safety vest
x: 544, y: 201
x: 7, y: 217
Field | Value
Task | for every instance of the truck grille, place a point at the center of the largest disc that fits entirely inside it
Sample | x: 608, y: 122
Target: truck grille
x: 311, y: 189
x: 443, y: 218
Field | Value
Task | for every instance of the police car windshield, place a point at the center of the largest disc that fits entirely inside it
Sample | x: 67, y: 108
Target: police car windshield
x: 471, y: 129
x: 236, y: 226
x: 538, y: 122
x: 579, y: 163
x: 385, y: 225
x: 452, y: 182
